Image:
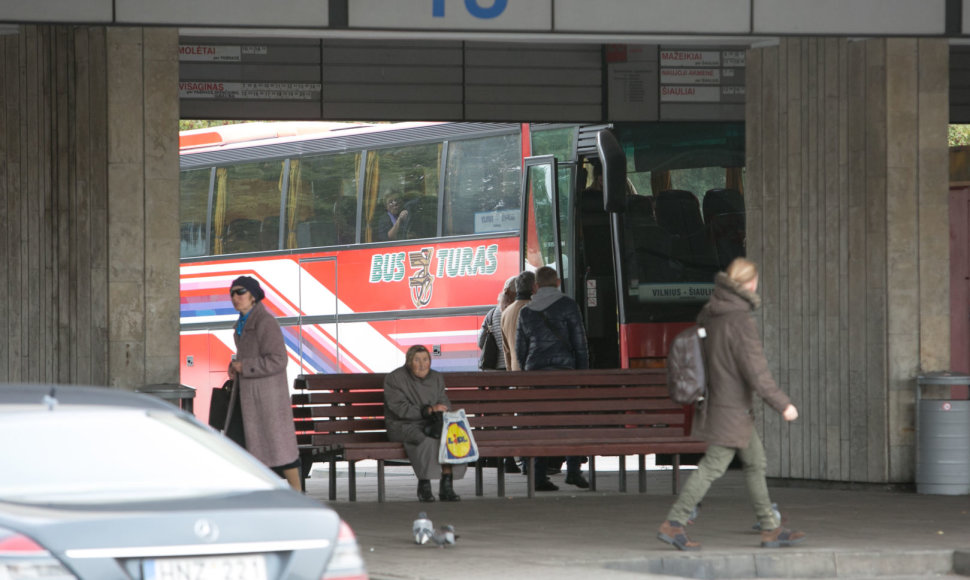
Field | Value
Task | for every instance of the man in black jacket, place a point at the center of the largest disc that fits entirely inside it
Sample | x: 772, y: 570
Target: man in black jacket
x: 550, y: 335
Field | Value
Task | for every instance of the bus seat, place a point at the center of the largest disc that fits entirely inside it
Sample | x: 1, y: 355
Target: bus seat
x: 242, y: 235
x: 315, y: 233
x: 269, y: 233
x: 651, y: 244
x: 725, y: 219
x: 422, y: 217
x: 678, y: 212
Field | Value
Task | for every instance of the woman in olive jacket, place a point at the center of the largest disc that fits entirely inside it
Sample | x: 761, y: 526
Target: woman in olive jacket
x: 263, y: 394
x: 737, y: 369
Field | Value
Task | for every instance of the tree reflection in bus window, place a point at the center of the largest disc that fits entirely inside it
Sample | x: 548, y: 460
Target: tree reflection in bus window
x: 540, y: 194
x: 321, y: 204
x: 193, y: 207
x: 411, y: 174
x: 246, y: 209
x: 482, y: 181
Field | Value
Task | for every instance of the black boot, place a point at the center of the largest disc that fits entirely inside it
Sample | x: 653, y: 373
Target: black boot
x: 424, y: 491
x: 445, y: 491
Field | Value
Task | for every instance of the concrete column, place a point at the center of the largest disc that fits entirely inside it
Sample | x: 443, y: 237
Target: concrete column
x: 848, y: 201
x: 142, y: 76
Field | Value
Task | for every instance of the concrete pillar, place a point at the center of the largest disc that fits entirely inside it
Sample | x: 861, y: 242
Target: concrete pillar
x: 143, y: 251
x: 847, y: 197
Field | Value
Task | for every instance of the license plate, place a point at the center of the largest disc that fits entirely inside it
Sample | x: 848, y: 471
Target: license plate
x: 241, y: 567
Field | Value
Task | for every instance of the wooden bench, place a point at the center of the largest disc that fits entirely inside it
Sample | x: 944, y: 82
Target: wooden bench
x: 617, y: 412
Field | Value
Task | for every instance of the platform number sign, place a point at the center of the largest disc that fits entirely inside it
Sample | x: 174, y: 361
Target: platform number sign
x: 474, y: 7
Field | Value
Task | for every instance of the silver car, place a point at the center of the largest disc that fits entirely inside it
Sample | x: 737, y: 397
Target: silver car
x: 99, y: 483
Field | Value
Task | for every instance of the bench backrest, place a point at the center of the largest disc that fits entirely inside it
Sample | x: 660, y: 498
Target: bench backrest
x: 335, y: 409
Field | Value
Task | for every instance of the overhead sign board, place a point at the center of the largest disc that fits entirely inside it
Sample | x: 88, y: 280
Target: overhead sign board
x: 278, y: 13
x: 500, y: 15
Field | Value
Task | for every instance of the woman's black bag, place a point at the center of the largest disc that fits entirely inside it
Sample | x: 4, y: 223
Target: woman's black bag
x: 219, y: 408
x: 488, y: 358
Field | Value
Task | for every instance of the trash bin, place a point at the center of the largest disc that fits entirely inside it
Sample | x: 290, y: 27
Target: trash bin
x: 179, y: 395
x: 943, y: 438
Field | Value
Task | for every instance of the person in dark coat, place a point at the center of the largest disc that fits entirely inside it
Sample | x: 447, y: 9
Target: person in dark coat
x: 412, y: 394
x: 550, y: 335
x: 737, y: 369
x: 262, y: 394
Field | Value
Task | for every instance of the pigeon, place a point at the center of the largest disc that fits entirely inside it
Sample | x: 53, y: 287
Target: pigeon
x: 444, y: 535
x: 423, y: 529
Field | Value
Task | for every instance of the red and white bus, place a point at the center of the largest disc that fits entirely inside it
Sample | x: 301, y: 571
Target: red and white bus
x: 305, y: 208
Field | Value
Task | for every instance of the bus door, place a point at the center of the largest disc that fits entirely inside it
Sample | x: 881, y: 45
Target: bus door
x: 595, y: 273
x: 318, y: 330
x: 540, y: 240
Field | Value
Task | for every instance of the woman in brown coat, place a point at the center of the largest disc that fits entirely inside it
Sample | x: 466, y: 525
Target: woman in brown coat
x: 262, y: 393
x: 737, y: 368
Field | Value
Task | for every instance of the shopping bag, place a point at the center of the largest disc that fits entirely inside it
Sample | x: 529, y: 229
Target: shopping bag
x: 219, y: 410
x: 457, y: 443
x: 219, y: 405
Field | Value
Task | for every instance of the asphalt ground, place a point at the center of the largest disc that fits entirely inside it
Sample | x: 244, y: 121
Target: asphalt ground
x: 854, y: 531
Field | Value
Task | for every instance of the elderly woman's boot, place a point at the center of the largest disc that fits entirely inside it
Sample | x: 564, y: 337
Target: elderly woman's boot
x: 424, y: 491
x: 445, y: 491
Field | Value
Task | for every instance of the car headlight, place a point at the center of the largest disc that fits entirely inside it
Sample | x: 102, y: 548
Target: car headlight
x: 21, y: 558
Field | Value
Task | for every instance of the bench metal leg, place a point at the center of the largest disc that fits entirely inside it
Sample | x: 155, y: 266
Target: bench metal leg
x: 676, y: 463
x: 479, y: 484
x: 642, y: 476
x: 333, y: 480
x: 622, y: 460
x: 500, y: 483
x: 352, y: 480
x: 530, y: 480
x: 380, y: 480
x: 592, y: 473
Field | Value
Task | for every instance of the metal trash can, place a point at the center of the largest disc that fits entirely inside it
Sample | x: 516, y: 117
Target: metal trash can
x: 181, y: 396
x: 943, y: 438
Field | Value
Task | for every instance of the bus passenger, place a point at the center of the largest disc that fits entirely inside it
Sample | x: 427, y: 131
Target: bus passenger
x: 391, y: 224
x: 413, y: 395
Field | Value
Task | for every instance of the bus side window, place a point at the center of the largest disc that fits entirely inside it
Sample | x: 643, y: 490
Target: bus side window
x: 245, y: 195
x: 322, y: 201
x: 193, y: 207
x: 481, y: 192
x: 411, y: 169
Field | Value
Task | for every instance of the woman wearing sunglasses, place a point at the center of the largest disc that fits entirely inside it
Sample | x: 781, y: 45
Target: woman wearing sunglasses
x: 262, y: 395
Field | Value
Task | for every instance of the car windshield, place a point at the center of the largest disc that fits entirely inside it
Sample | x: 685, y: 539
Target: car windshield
x: 86, y: 455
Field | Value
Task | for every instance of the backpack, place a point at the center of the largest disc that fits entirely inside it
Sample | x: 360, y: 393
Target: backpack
x: 686, y: 377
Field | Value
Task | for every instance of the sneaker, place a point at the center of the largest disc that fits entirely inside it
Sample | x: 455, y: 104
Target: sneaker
x: 781, y: 538
x: 511, y: 466
x: 546, y: 485
x: 674, y: 534
x: 577, y: 479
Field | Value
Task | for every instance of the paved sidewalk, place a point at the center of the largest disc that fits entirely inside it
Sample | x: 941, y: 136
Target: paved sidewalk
x: 579, y: 534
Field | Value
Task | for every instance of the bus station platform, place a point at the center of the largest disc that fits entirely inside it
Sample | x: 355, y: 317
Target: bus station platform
x: 854, y: 531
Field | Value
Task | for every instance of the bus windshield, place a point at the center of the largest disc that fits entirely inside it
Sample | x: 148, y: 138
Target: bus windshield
x: 685, y: 215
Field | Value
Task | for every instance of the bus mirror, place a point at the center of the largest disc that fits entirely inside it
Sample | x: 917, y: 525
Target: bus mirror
x: 614, y: 171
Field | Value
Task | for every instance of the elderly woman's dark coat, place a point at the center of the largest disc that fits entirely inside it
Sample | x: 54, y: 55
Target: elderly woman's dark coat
x: 264, y: 391
x: 736, y: 367
x: 404, y: 397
